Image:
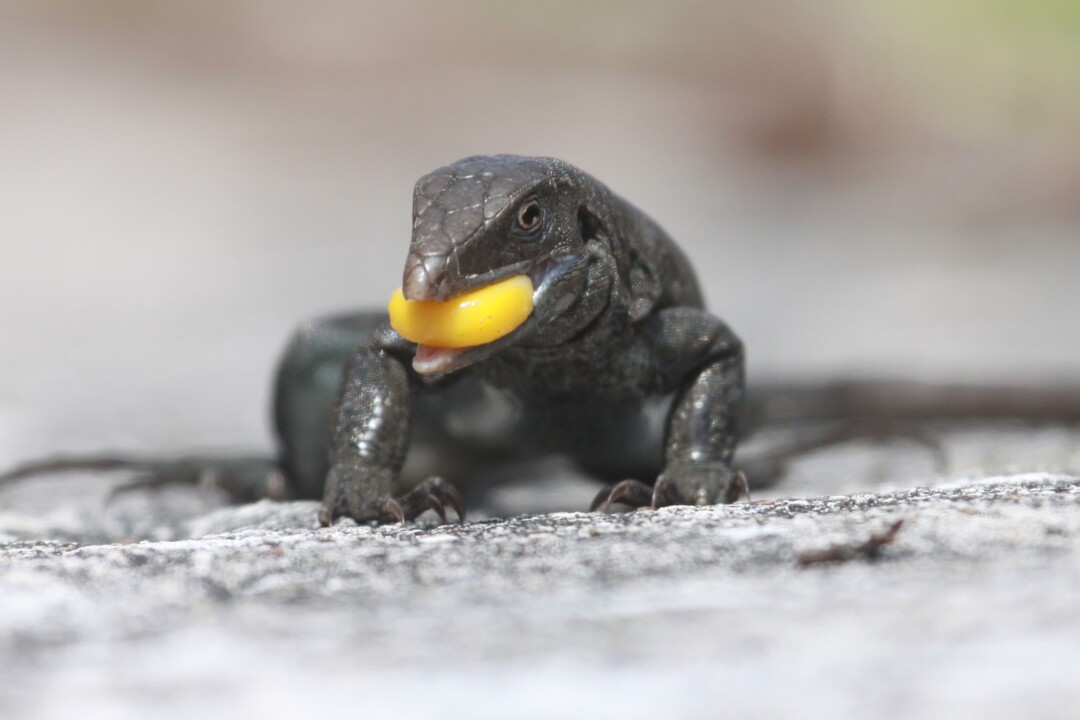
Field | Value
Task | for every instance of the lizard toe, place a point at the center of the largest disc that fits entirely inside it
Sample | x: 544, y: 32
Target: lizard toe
x: 739, y: 486
x: 433, y: 494
x: 663, y: 494
x: 393, y: 509
x: 633, y: 493
x: 699, y: 484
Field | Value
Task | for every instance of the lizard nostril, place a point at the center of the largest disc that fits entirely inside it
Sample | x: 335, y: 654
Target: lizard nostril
x: 415, y: 285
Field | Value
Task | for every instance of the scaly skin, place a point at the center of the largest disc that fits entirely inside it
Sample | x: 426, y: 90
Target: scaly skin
x: 617, y: 323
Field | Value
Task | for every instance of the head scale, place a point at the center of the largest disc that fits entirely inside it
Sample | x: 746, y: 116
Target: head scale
x: 480, y: 217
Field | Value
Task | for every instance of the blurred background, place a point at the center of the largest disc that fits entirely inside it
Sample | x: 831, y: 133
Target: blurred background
x: 887, y: 188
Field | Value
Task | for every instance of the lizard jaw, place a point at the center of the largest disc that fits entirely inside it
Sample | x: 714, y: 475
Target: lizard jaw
x: 434, y: 360
x: 545, y: 275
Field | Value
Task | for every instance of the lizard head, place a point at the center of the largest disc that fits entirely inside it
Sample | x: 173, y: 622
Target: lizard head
x: 484, y: 219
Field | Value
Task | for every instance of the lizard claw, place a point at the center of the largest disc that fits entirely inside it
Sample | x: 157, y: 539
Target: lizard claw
x: 703, y: 490
x: 631, y: 492
x: 739, y: 486
x: 628, y: 492
x: 393, y: 509
x: 452, y: 497
x: 432, y: 494
x: 601, y: 498
x: 699, y: 484
x: 435, y: 504
x: 661, y: 494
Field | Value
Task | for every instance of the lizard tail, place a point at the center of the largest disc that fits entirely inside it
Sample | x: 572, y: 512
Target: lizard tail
x: 244, y: 478
x: 881, y: 409
x: 911, y: 401
x: 68, y: 464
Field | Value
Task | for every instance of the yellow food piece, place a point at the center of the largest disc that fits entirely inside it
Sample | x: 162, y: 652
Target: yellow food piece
x: 470, y: 319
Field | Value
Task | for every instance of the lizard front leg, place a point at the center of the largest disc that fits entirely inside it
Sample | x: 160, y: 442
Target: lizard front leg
x: 368, y: 443
x: 702, y: 361
x: 703, y: 427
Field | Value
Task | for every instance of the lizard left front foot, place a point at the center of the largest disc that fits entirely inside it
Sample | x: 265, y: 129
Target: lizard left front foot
x: 343, y: 500
x: 680, y: 485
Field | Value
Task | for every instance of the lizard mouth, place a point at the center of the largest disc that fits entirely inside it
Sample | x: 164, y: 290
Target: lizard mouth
x: 436, y: 360
x: 432, y: 361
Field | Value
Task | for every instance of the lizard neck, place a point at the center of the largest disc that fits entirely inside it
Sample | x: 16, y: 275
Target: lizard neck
x: 576, y: 359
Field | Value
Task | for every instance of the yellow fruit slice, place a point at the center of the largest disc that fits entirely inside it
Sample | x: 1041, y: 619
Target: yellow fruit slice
x: 471, y: 319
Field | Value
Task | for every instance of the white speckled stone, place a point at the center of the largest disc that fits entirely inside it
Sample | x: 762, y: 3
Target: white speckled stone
x: 697, y: 613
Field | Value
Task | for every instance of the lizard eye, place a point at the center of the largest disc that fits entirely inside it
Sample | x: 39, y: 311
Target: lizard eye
x: 528, y: 216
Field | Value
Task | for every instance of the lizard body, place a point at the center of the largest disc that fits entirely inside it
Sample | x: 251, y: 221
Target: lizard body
x: 617, y: 328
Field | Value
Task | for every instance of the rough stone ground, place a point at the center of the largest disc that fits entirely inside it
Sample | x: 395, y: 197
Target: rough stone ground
x: 973, y: 611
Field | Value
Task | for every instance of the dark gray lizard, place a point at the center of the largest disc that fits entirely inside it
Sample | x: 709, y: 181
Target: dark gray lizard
x: 618, y: 366
x: 617, y: 328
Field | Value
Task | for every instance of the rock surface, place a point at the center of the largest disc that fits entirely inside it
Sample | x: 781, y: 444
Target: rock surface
x: 973, y: 611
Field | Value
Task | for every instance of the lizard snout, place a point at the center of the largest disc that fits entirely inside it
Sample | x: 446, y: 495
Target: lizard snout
x: 425, y: 278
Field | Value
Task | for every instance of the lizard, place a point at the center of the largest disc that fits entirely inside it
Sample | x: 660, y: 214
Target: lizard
x: 618, y: 321
x: 618, y: 366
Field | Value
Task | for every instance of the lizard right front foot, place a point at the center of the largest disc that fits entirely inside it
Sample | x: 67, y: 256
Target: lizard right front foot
x: 433, y: 494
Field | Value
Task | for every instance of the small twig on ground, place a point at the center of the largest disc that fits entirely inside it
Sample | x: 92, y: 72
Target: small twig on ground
x: 870, y: 549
